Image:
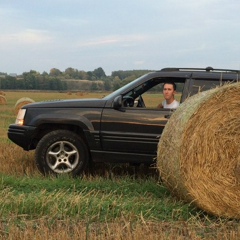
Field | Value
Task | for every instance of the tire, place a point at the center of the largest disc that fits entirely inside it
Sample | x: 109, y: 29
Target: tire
x: 61, y: 152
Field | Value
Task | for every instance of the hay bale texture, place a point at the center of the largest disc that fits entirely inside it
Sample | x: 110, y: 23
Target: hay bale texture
x: 3, y: 100
x: 199, y: 151
x: 21, y: 102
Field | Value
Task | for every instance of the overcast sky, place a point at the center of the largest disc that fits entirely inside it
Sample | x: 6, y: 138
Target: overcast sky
x: 118, y: 34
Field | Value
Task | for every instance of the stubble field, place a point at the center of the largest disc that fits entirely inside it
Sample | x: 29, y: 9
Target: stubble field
x: 112, y: 202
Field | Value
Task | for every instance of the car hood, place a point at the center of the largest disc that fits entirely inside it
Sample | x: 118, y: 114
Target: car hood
x: 90, y: 103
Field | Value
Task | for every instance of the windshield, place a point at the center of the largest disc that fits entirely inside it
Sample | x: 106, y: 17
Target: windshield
x: 124, y: 88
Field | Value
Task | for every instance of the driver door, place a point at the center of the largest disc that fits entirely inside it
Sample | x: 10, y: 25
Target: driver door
x: 133, y: 129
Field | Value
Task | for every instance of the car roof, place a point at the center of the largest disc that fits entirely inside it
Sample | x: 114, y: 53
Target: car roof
x: 203, y: 73
x: 207, y: 69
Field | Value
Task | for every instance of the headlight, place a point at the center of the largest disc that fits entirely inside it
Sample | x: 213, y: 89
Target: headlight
x: 20, y: 117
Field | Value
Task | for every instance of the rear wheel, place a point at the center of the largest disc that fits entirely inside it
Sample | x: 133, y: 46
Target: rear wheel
x: 61, y: 152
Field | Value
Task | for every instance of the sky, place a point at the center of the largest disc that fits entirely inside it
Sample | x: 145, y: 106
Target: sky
x: 118, y: 34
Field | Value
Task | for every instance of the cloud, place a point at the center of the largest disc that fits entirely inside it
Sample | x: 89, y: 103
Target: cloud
x: 124, y: 40
x: 28, y: 36
x: 139, y: 63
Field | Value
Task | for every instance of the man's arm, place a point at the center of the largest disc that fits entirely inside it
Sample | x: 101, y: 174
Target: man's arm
x: 159, y: 106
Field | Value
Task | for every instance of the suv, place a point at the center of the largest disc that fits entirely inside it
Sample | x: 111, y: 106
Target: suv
x: 122, y: 127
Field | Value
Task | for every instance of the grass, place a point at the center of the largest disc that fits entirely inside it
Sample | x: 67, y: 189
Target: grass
x: 91, y: 199
x: 112, y: 202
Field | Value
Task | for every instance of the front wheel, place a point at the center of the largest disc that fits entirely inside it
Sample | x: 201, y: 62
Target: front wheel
x: 60, y: 152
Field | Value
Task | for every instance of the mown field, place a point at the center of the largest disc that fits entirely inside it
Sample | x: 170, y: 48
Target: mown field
x: 111, y: 202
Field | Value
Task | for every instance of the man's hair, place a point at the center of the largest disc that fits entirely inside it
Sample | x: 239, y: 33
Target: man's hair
x: 172, y: 83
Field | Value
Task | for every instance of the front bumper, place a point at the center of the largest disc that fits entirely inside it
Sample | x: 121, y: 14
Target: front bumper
x: 22, y: 135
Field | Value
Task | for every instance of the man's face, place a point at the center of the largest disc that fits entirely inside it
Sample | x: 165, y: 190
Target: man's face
x: 168, y: 91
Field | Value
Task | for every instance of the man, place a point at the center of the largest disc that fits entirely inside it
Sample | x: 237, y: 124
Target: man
x: 169, y: 90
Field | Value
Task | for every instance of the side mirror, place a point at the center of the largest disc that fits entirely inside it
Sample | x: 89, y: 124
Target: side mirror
x: 117, y: 102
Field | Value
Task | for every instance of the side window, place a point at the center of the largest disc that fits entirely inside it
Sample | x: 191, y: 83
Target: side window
x: 153, y: 96
x: 203, y: 85
x: 150, y: 93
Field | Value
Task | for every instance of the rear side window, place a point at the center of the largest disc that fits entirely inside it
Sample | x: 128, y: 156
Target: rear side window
x: 199, y: 85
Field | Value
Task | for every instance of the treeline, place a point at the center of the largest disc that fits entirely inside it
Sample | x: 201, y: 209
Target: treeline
x: 70, y: 79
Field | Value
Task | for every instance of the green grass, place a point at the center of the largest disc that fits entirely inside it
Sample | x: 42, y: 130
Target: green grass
x: 97, y: 198
x: 32, y: 203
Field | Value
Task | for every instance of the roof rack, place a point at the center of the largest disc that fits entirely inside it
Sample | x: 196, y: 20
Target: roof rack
x: 207, y: 69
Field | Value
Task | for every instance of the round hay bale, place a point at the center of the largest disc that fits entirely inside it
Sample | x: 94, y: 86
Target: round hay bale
x: 3, y: 100
x: 79, y: 93
x: 21, y: 102
x: 199, y: 155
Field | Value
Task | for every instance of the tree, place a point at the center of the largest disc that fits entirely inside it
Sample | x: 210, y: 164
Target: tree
x: 44, y: 74
x: 99, y: 73
x: 116, y: 83
x: 8, y: 82
x: 107, y: 85
x: 83, y: 75
x: 30, y: 79
x: 94, y: 86
x: 55, y: 72
x: 71, y: 72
